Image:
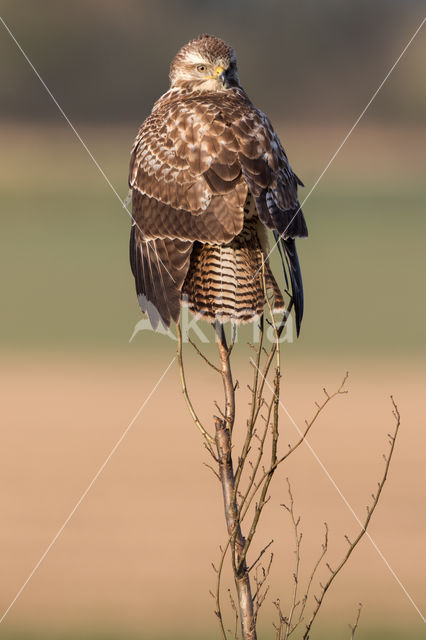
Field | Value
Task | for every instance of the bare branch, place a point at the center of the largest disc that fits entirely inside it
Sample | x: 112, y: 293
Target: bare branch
x: 260, y: 578
x: 246, y: 491
x: 293, y: 448
x: 210, y: 440
x: 255, y: 401
x: 234, y: 608
x: 218, y: 610
x: 267, y: 477
x: 298, y: 540
x: 324, y: 548
x: 354, y: 627
x: 260, y: 555
x: 213, y: 470
x: 282, y: 621
x: 241, y: 576
x: 219, y: 409
x: 213, y: 366
x: 259, y: 457
x: 228, y: 385
x: 370, y: 510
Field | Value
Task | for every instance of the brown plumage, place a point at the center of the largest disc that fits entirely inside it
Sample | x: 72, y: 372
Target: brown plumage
x: 207, y: 174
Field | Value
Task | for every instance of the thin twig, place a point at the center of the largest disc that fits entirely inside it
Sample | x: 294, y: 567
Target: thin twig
x: 210, y: 440
x: 261, y: 575
x: 211, y: 469
x: 260, y: 555
x: 275, y: 404
x: 253, y: 412
x: 354, y: 627
x: 267, y: 476
x: 293, y: 448
x: 228, y: 385
x: 298, y: 540
x: 370, y: 510
x: 255, y: 466
x: 201, y: 354
x: 324, y: 548
x: 217, y: 595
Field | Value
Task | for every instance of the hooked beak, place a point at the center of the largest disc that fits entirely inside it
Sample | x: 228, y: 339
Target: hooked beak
x: 222, y: 77
x: 220, y: 74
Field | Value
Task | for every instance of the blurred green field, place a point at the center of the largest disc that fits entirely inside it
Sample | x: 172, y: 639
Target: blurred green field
x: 66, y: 282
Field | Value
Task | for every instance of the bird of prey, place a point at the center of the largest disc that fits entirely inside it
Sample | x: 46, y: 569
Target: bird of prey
x: 208, y: 176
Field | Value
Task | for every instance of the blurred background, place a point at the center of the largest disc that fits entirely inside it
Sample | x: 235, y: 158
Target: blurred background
x: 134, y: 561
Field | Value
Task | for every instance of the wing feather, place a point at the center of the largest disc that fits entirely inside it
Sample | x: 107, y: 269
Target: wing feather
x: 159, y: 267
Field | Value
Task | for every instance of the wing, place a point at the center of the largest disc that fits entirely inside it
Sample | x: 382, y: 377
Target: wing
x: 187, y: 185
x: 268, y: 174
x: 274, y: 186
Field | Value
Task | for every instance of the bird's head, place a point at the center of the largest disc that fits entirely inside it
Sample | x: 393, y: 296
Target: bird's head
x: 205, y: 64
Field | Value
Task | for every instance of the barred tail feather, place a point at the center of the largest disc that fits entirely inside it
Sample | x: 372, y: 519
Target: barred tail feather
x: 291, y: 265
x: 225, y: 283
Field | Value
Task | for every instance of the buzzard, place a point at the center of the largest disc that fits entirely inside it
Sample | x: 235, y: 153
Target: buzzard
x: 208, y: 176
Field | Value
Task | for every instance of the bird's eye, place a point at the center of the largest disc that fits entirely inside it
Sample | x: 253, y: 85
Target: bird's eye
x: 201, y: 68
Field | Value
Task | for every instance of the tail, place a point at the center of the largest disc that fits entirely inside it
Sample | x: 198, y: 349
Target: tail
x: 290, y: 261
x: 225, y: 282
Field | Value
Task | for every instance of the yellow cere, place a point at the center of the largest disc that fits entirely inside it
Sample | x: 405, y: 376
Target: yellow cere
x: 219, y: 70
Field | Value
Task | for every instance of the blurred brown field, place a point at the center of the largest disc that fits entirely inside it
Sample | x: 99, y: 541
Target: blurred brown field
x: 137, y: 552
